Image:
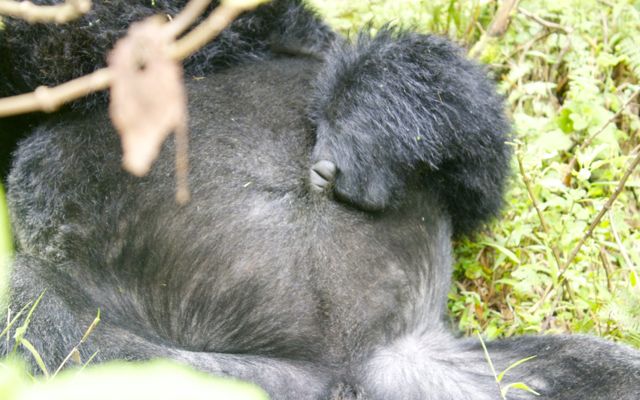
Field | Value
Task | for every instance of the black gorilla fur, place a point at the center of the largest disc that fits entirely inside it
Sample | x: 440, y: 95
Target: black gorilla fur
x: 266, y: 275
x: 409, y: 110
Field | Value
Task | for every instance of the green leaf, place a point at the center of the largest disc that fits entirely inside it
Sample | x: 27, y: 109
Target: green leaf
x: 6, y: 249
x: 510, y: 255
x: 36, y: 356
x: 22, y: 330
x: 512, y: 366
x: 564, y: 121
x: 520, y: 386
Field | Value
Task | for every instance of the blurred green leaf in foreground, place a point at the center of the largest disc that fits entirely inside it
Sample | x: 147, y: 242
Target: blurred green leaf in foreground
x: 125, y: 381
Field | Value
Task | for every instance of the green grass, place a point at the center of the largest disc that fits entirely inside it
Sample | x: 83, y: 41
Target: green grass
x: 6, y: 250
x: 566, y: 68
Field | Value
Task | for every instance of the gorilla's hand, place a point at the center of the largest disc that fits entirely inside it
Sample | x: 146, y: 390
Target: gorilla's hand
x: 399, y: 113
x: 359, y: 179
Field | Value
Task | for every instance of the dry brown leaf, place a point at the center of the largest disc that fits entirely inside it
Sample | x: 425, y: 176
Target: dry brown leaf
x: 148, y: 100
x: 75, y: 356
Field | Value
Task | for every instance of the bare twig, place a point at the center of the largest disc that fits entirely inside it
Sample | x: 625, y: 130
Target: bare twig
x: 542, y: 299
x: 187, y: 17
x: 524, y: 49
x: 563, y: 53
x: 606, y: 266
x: 501, y: 20
x: 497, y: 28
x: 606, y: 3
x: 544, y: 22
x: 545, y: 228
x: 606, y: 207
x: 534, y: 201
x: 208, y: 29
x: 605, y: 29
x: 59, y: 13
x: 50, y: 99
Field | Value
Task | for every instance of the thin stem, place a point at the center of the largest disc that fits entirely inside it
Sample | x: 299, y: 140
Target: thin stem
x: 50, y: 99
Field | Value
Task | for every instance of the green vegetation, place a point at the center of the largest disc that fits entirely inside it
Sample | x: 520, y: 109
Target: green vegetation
x: 567, y: 69
x: 6, y: 249
x: 499, y: 377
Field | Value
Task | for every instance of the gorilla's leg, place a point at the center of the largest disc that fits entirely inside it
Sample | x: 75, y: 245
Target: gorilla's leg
x: 63, y: 315
x: 436, y: 366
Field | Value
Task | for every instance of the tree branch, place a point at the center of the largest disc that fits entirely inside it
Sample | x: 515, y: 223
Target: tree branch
x: 497, y: 28
x: 50, y: 99
x: 208, y: 29
x: 60, y: 13
x: 596, y: 221
x: 187, y: 17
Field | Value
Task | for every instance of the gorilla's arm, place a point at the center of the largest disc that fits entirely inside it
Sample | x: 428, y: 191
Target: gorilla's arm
x: 402, y: 111
x: 435, y: 366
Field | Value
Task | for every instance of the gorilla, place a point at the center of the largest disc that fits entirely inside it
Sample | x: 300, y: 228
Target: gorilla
x: 328, y: 178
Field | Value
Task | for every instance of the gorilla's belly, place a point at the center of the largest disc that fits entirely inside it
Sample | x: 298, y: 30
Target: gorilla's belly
x: 283, y: 275
x: 255, y: 263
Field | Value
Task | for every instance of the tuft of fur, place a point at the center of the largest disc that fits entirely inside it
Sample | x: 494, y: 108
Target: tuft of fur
x: 402, y: 111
